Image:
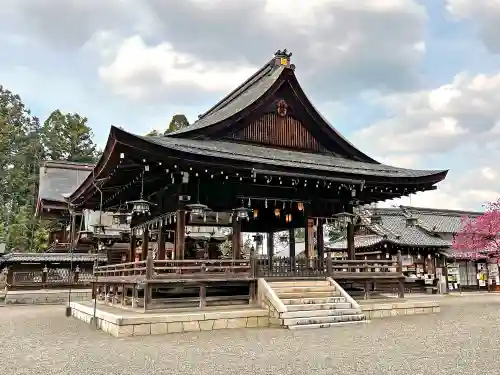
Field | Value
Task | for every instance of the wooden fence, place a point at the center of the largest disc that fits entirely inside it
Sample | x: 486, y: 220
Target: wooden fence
x: 278, y: 267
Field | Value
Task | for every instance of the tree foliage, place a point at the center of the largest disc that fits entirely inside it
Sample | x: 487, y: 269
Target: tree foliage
x: 480, y: 235
x: 178, y: 122
x: 66, y: 136
x: 24, y: 144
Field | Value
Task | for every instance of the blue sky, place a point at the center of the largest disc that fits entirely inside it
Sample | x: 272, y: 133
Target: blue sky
x: 413, y: 83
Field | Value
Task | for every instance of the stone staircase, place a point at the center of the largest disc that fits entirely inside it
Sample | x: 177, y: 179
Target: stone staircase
x: 314, y: 304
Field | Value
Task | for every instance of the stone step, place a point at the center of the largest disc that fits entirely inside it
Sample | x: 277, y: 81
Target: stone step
x: 305, y: 283
x: 322, y: 319
x: 313, y: 301
x: 303, y: 289
x: 317, y: 312
x: 327, y: 325
x: 319, y: 306
x: 288, y: 295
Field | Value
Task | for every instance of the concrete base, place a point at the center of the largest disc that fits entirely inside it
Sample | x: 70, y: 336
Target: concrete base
x: 386, y: 308
x: 120, y: 323
x: 45, y: 296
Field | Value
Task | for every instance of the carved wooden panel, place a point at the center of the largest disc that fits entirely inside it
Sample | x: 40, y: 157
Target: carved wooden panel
x: 281, y: 131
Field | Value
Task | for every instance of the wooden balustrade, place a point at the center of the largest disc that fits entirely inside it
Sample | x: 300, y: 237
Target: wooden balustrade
x: 280, y: 267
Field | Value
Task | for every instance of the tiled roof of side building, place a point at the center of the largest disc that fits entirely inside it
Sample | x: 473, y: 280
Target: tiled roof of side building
x: 58, y: 178
x: 393, y: 228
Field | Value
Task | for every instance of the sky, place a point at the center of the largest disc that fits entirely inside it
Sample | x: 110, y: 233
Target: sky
x: 412, y: 83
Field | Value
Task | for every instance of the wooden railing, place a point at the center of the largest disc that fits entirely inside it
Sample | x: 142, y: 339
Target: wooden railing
x: 302, y: 267
x: 278, y: 267
x: 122, y: 269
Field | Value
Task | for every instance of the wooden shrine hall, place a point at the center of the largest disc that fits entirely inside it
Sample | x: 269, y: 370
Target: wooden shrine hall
x: 262, y: 159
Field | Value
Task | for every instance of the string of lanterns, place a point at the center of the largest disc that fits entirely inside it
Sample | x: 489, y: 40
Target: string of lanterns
x: 253, y: 175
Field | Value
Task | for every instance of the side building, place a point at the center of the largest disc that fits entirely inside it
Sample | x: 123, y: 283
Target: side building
x: 424, y: 236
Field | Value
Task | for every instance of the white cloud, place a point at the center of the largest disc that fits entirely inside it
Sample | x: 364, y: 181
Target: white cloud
x: 138, y: 71
x: 485, y: 14
x: 439, y: 120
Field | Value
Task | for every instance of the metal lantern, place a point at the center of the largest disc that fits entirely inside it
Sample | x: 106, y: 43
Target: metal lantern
x: 255, y: 213
x: 197, y: 209
x: 99, y: 229
x: 258, y: 238
x: 85, y: 235
x: 345, y: 218
x: 241, y: 213
x: 277, y: 212
x: 300, y: 206
x: 120, y: 218
x: 140, y: 206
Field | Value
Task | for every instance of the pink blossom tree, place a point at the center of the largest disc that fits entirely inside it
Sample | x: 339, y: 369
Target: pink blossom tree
x: 481, y: 234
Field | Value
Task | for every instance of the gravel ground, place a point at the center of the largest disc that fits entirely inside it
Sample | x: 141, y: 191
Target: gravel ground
x: 463, y: 339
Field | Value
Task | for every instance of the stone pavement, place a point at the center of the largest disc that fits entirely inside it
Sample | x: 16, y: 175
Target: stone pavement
x: 463, y: 339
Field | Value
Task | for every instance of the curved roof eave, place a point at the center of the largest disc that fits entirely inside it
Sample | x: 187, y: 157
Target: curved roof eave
x: 98, y: 168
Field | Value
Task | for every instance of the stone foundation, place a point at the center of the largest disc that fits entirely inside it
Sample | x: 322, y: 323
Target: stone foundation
x: 374, y: 310
x: 128, y: 324
x: 45, y: 296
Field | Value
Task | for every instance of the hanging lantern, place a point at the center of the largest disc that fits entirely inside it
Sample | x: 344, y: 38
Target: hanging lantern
x: 197, y: 209
x: 277, y: 212
x: 140, y: 206
x: 85, y: 235
x: 387, y: 256
x: 258, y: 238
x: 300, y: 206
x: 241, y: 213
x: 99, y: 229
x: 283, y: 239
x: 255, y: 213
x: 120, y: 218
x: 129, y: 219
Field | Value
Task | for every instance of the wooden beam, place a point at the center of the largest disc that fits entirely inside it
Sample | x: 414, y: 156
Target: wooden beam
x: 320, y: 241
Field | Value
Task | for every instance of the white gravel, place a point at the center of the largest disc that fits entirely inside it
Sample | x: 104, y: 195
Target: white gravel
x: 463, y: 339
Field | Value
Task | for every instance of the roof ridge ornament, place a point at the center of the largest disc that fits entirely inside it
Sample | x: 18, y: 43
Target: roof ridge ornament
x: 282, y: 58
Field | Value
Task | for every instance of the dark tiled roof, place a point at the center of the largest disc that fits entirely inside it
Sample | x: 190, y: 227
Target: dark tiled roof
x: 246, y: 94
x: 286, y: 158
x: 394, y: 229
x: 359, y: 242
x: 51, y: 257
x: 440, y: 221
x: 59, y: 178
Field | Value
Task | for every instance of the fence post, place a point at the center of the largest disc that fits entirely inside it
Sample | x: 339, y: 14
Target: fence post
x: 149, y: 265
x: 149, y: 275
x: 45, y: 273
x: 253, y: 263
x: 401, y: 280
x: 329, y: 264
x: 77, y: 274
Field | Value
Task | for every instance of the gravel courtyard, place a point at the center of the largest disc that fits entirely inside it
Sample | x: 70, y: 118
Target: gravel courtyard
x: 463, y: 339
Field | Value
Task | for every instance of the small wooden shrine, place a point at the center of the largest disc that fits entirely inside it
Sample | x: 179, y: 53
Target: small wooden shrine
x: 263, y: 159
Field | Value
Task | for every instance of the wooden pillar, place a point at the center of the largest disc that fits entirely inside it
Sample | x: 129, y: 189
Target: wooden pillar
x: 307, y: 240
x: 351, y: 249
x: 180, y: 235
x: 161, y: 243
x: 236, y: 237
x: 145, y: 244
x: 291, y: 244
x: 131, y: 256
x: 320, y: 240
x: 270, y: 249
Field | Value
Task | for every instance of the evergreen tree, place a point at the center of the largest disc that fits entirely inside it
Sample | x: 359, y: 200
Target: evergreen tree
x: 178, y: 122
x: 66, y: 136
